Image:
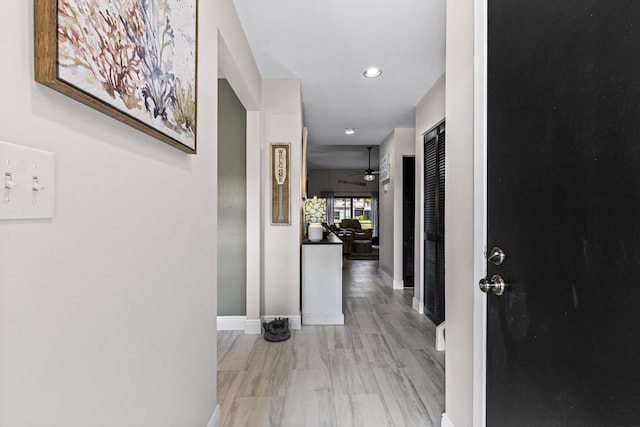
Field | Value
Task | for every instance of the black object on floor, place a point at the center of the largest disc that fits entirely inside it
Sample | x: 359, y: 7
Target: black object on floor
x: 277, y: 330
x: 362, y: 246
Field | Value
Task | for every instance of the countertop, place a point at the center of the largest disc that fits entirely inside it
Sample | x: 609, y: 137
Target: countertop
x: 331, y: 239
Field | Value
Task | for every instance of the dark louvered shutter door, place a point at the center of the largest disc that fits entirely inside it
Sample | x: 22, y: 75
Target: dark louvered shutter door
x: 430, y: 224
x: 434, y: 224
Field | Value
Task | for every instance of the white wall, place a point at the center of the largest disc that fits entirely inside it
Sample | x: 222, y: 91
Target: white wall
x: 282, y: 123
x: 107, y: 312
x: 429, y: 112
x: 386, y: 215
x: 236, y: 60
x: 255, y: 215
x: 459, y: 269
x: 399, y: 143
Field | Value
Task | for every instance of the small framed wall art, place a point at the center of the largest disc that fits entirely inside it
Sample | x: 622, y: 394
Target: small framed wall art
x: 132, y: 60
x: 385, y: 174
x: 280, y: 184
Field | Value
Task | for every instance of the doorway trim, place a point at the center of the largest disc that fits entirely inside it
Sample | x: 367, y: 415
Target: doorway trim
x: 479, y: 211
x: 243, y: 89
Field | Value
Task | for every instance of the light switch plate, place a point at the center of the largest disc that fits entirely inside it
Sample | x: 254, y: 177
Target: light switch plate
x: 26, y: 181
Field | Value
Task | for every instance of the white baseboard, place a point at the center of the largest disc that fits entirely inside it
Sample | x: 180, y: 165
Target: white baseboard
x: 446, y: 422
x: 440, y: 336
x: 385, y: 277
x: 323, y: 319
x: 398, y: 284
x: 231, y: 323
x: 252, y: 327
x: 214, y: 421
x: 295, y: 322
x: 417, y: 306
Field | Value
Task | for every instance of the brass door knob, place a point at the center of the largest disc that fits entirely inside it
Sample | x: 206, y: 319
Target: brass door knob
x: 496, y: 284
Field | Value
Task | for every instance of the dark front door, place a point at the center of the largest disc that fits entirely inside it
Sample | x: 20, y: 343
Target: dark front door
x: 563, y: 341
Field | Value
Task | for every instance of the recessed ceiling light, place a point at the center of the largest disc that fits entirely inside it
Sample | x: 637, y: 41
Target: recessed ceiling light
x: 349, y: 131
x: 372, y: 72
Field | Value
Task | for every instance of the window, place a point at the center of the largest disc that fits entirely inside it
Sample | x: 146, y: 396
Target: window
x: 342, y: 208
x: 353, y: 207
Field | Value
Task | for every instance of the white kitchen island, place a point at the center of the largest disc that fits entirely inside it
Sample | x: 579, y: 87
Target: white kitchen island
x: 322, y: 282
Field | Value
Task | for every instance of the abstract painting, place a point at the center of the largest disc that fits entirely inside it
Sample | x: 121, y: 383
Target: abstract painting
x: 134, y: 60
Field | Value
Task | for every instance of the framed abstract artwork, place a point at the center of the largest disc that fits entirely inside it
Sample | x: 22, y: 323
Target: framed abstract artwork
x: 134, y: 60
x: 280, y: 179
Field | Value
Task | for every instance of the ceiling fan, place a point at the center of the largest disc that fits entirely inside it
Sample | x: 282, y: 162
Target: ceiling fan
x: 370, y: 174
x: 361, y: 184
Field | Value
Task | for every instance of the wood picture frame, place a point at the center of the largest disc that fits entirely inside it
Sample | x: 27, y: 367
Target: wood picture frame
x: 280, y: 184
x: 133, y: 61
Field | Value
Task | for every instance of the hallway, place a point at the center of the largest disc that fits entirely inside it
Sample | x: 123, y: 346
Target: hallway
x: 379, y: 369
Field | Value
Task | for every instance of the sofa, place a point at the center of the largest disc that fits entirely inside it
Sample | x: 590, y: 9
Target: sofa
x: 354, y: 226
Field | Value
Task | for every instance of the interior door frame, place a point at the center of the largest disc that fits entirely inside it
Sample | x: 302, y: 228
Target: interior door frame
x: 479, y: 212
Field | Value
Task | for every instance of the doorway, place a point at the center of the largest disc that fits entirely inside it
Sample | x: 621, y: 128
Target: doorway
x: 232, y: 203
x: 408, y: 219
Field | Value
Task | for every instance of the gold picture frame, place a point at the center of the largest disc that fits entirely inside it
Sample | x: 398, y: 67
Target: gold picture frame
x: 280, y: 184
x: 133, y: 61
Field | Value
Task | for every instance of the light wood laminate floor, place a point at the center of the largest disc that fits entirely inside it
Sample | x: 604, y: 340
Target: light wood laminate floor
x: 379, y: 369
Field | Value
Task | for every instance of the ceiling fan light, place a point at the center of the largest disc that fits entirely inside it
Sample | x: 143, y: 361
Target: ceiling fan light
x: 368, y: 174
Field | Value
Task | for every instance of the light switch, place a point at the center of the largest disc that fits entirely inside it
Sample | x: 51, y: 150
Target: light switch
x: 9, y: 184
x: 28, y: 190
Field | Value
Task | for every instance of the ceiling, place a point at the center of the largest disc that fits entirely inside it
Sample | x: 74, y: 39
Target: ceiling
x: 328, y: 44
